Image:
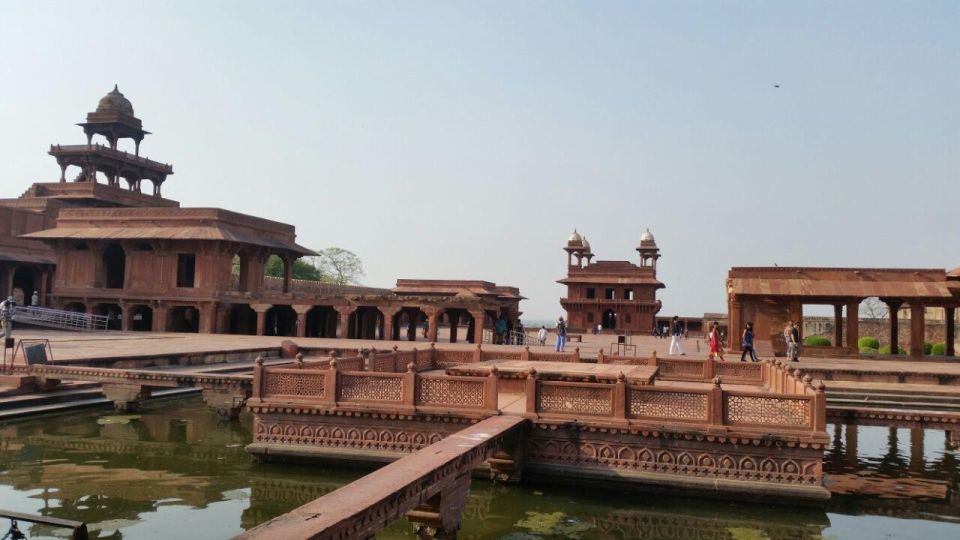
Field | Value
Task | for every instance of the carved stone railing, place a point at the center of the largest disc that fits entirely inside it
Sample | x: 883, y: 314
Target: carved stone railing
x: 688, y: 369
x: 795, y: 405
x: 403, y: 392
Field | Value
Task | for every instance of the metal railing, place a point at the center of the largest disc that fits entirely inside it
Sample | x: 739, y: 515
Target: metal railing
x: 60, y: 319
x: 511, y: 337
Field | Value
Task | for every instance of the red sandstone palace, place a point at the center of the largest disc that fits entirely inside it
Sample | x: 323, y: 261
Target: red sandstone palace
x: 617, y: 295
x: 89, y: 244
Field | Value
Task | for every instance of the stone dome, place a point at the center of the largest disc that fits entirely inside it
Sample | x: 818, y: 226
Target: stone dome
x: 115, y: 102
x: 575, y: 240
x: 647, y: 237
x: 586, y: 243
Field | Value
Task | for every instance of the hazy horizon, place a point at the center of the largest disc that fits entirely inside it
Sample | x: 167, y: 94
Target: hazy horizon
x: 466, y: 141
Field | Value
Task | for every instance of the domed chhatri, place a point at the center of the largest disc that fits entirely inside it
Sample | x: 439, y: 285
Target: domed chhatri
x: 575, y: 239
x: 647, y: 237
x: 586, y: 244
x: 115, y: 102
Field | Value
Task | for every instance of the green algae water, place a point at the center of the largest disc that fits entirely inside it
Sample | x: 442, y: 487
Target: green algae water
x: 175, y: 470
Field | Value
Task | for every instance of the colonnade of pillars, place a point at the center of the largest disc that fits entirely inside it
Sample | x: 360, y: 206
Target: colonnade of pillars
x: 361, y: 322
x: 917, y: 326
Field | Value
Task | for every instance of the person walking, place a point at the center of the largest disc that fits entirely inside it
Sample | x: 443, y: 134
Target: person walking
x: 561, y: 334
x: 716, y: 346
x: 542, y: 336
x: 746, y: 343
x: 676, y: 334
x: 501, y: 329
x: 795, y: 338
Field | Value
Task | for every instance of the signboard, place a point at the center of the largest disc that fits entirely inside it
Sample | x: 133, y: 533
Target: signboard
x: 36, y: 354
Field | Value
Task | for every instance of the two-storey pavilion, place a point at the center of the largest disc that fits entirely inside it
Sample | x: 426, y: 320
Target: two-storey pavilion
x: 617, y: 295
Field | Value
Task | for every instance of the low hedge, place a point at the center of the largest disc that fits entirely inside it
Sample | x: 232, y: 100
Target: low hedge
x: 927, y: 348
x: 868, y: 350
x: 816, y: 341
x: 868, y: 343
x: 886, y: 350
x: 938, y: 349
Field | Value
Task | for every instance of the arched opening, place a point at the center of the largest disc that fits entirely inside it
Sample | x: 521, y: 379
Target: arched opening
x: 322, y: 322
x: 609, y: 320
x: 281, y: 321
x: 184, y: 319
x: 242, y: 319
x: 407, y: 322
x: 112, y: 312
x: 76, y: 307
x: 141, y: 318
x: 114, y: 262
x: 365, y: 322
x: 24, y: 283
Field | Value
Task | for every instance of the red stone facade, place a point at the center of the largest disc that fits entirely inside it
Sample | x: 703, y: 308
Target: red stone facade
x: 147, y: 264
x: 617, y: 295
x: 770, y: 296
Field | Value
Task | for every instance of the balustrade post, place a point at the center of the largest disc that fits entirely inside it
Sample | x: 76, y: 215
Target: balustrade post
x: 371, y: 360
x: 525, y: 355
x: 298, y: 363
x: 478, y: 354
x: 620, y: 397
x: 416, y: 355
x: 433, y: 354
x: 257, y: 389
x: 819, y: 409
x: 600, y: 357
x: 576, y: 355
x: 709, y: 369
x: 531, y: 391
x: 653, y: 359
x: 491, y: 395
x: 716, y: 403
x: 410, y: 386
x: 330, y: 382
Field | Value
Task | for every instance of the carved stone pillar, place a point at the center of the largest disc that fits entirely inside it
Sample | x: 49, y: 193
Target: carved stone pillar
x: 951, y: 330
x: 125, y: 317
x: 478, y: 321
x: 853, y: 327
x: 344, y: 313
x: 894, y: 306
x: 454, y: 316
x: 433, y: 316
x: 917, y: 328
x: 261, y: 310
x: 301, y: 311
x: 388, y: 313
x: 159, y: 318
x: 838, y: 325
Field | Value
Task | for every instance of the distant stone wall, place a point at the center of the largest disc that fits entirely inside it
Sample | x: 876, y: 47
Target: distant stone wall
x: 935, y: 331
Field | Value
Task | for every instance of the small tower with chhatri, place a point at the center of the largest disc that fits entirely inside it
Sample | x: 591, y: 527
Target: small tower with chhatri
x: 619, y: 296
x: 113, y: 120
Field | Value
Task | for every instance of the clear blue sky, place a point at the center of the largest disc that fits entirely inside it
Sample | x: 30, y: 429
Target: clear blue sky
x: 467, y: 139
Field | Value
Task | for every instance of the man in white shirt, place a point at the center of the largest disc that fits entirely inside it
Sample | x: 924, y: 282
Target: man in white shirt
x: 542, y: 336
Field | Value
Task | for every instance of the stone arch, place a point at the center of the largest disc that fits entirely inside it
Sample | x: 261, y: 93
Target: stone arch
x: 183, y: 319
x: 321, y: 321
x: 141, y: 318
x: 112, y: 312
x: 241, y: 319
x: 281, y: 320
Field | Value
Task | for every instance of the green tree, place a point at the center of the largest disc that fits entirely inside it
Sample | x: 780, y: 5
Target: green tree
x: 342, y: 266
x: 303, y: 268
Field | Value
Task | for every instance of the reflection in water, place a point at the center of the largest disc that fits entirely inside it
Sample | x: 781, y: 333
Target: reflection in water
x: 177, y: 470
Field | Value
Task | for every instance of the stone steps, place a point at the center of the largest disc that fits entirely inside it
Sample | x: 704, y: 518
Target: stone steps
x: 69, y: 400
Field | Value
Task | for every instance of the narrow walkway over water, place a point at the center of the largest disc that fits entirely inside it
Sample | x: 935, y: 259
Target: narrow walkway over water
x: 434, y: 480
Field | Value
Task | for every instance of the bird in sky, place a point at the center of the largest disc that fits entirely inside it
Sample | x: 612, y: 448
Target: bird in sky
x: 776, y: 86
